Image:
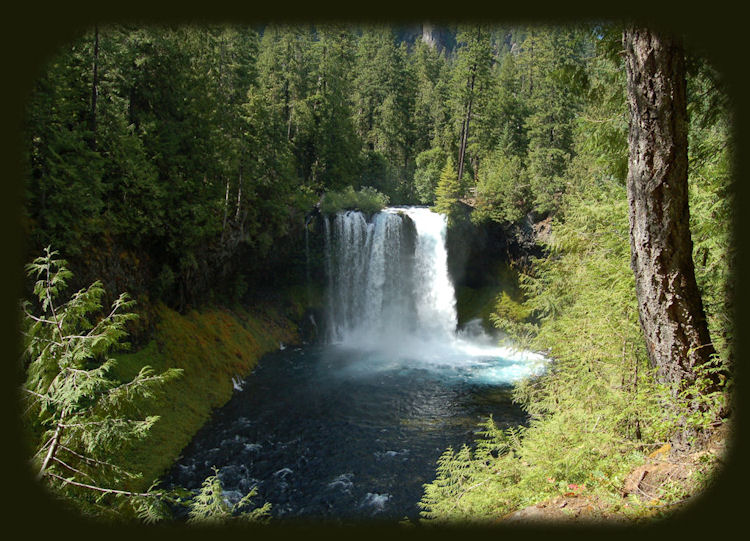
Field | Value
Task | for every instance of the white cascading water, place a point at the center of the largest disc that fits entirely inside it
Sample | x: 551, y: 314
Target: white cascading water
x: 389, y: 291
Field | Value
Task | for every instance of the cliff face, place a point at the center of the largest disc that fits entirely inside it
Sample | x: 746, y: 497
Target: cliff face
x: 484, y: 261
x: 475, y: 250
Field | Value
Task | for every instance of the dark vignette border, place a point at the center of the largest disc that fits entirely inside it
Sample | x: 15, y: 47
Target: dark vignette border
x: 36, y: 31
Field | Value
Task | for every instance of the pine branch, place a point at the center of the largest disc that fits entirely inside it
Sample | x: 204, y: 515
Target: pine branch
x: 42, y: 448
x: 53, y: 447
x: 71, y: 468
x: 41, y: 396
x: 89, y: 459
x: 38, y: 319
x: 105, y: 490
x: 55, y: 321
x: 95, y: 423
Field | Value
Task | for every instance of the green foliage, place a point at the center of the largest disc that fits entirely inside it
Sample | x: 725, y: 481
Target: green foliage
x: 512, y: 317
x: 77, y: 413
x: 596, y: 403
x: 602, y: 125
x: 376, y: 172
x: 596, y: 411
x: 472, y: 86
x: 207, y: 143
x: 330, y: 140
x: 367, y: 200
x: 509, y: 124
x: 209, y: 506
x: 430, y: 164
x: 711, y: 189
x: 431, y: 117
x: 448, y: 191
x: 205, y: 147
x: 383, y: 101
x: 697, y: 406
x: 503, y: 191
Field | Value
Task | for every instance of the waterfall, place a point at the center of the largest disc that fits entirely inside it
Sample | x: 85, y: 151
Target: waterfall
x: 389, y: 292
x: 388, y: 277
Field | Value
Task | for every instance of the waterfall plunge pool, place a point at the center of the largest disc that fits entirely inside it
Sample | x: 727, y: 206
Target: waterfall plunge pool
x: 332, y: 433
x: 352, y: 430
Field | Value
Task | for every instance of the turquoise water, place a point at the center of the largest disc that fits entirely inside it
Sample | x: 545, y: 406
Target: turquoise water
x: 336, y: 434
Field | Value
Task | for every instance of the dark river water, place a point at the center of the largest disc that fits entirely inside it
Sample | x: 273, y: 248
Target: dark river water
x: 333, y: 434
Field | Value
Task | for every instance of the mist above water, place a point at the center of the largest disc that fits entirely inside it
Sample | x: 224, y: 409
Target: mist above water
x: 352, y: 429
x: 389, y: 292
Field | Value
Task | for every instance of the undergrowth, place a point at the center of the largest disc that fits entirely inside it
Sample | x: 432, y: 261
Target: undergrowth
x: 367, y: 200
x: 597, y: 412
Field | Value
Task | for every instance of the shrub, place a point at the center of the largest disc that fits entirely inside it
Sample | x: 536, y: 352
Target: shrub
x: 367, y: 200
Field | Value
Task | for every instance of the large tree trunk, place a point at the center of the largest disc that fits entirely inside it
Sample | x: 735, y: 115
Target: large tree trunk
x: 669, y: 302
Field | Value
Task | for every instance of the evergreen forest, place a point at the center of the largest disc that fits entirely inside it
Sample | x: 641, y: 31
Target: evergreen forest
x: 170, y: 177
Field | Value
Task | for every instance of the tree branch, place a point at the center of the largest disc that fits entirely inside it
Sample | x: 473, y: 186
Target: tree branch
x: 89, y: 459
x: 71, y: 468
x: 105, y: 490
x: 53, y: 447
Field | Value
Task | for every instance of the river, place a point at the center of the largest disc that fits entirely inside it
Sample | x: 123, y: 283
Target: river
x: 352, y: 430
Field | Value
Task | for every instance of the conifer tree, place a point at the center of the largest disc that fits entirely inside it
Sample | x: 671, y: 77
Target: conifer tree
x: 429, y: 165
x: 431, y: 118
x: 210, y: 507
x: 552, y: 64
x: 472, y: 81
x: 76, y: 412
x: 669, y: 302
x: 448, y: 191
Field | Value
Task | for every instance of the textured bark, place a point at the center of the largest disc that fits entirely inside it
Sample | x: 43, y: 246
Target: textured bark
x: 670, y: 307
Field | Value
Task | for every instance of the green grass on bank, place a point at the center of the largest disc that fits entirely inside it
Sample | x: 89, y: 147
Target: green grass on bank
x: 210, y: 346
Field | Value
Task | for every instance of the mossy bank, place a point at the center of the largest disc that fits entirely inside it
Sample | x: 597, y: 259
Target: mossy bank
x: 211, y: 346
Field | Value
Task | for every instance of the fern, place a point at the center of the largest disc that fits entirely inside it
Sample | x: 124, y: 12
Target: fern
x: 209, y: 506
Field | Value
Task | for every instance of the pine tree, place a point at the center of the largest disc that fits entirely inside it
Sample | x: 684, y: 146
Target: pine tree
x: 431, y: 118
x: 429, y: 165
x: 210, y: 507
x: 448, y: 192
x: 472, y: 82
x: 76, y: 412
x: 669, y: 301
x: 553, y: 65
x: 64, y: 186
x: 331, y: 146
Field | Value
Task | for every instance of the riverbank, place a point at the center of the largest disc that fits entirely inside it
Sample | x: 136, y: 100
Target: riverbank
x: 211, y: 346
x: 668, y: 484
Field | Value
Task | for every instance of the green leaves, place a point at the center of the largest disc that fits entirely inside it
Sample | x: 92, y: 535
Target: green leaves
x: 448, y: 191
x: 367, y: 200
x: 430, y: 164
x: 503, y: 193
